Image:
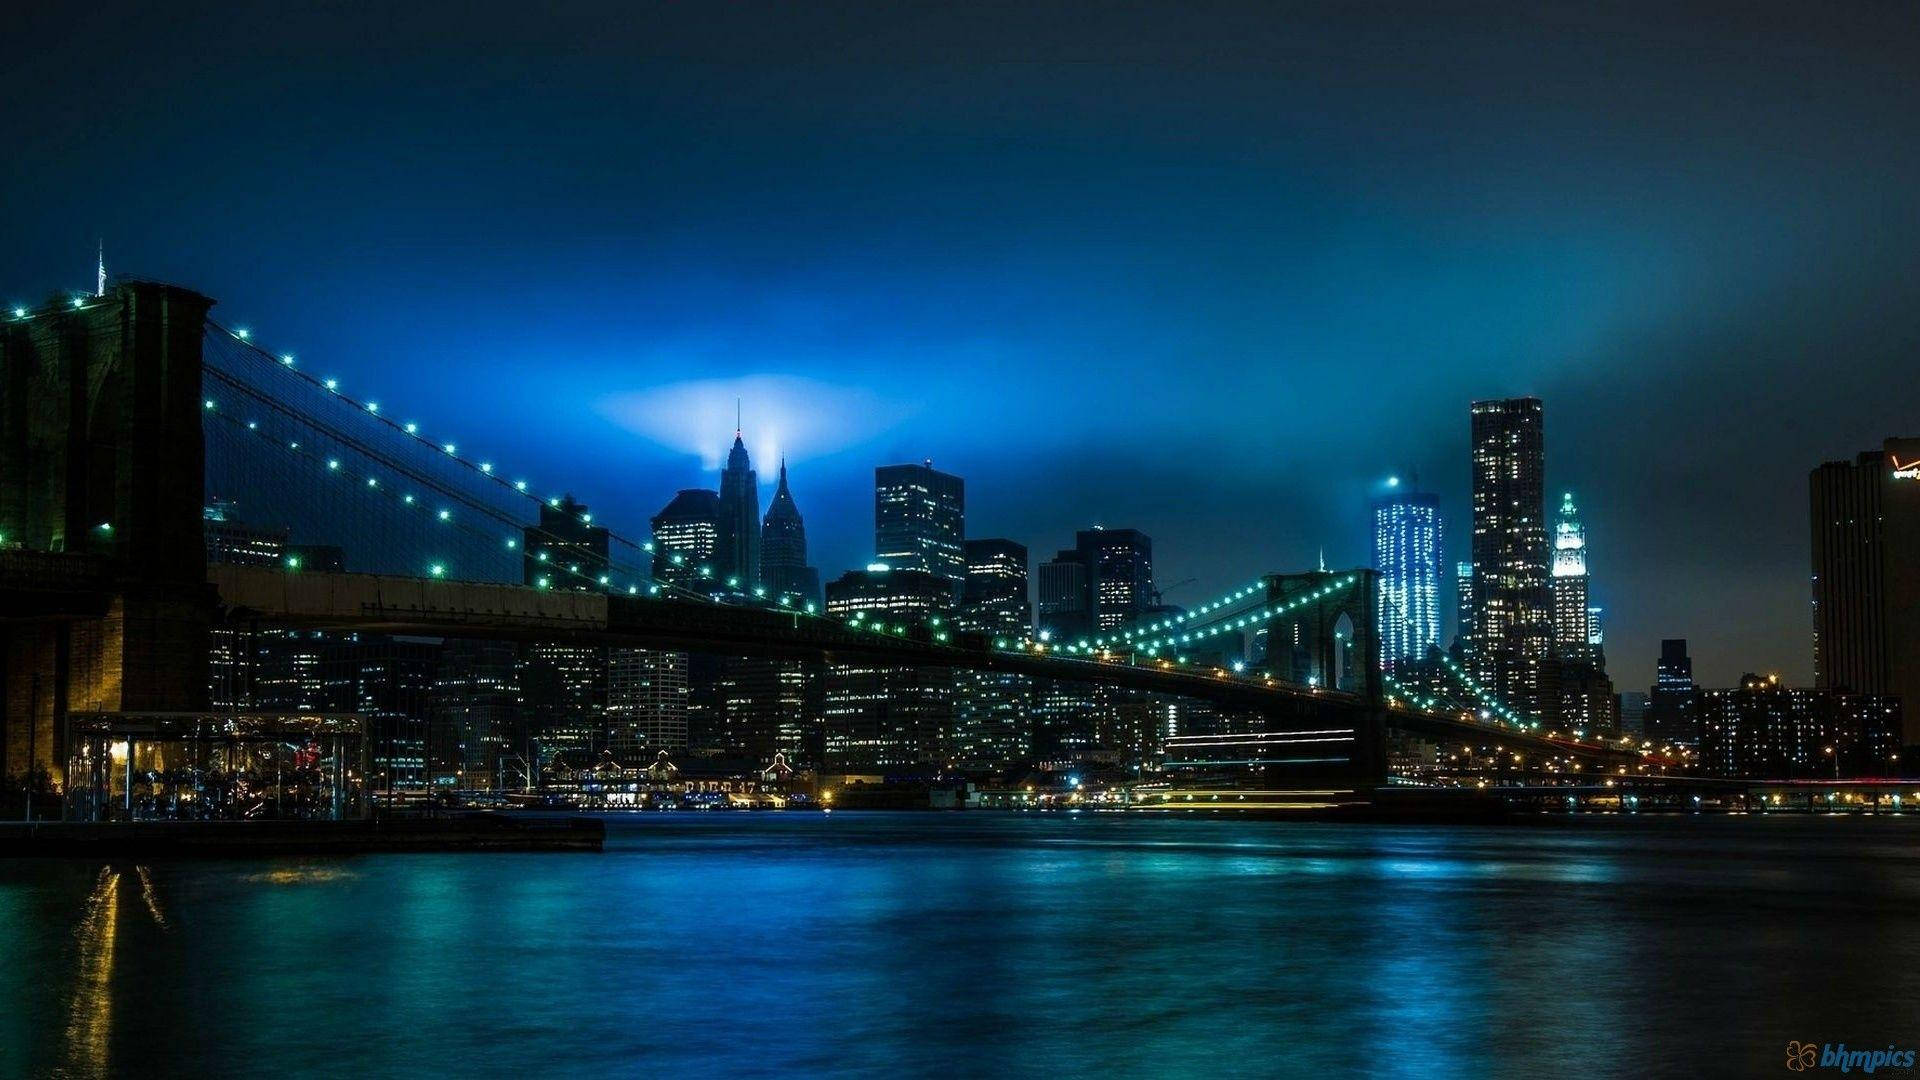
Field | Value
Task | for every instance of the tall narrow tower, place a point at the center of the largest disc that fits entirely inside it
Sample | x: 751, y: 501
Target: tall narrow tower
x: 783, y: 549
x: 1406, y: 551
x: 738, y: 556
x: 1512, y: 621
x: 1572, y: 630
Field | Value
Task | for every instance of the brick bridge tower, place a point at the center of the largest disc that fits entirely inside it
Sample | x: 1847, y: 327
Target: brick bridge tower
x: 104, y: 604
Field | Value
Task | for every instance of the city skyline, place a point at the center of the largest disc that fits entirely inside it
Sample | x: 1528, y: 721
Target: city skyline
x: 1415, y: 258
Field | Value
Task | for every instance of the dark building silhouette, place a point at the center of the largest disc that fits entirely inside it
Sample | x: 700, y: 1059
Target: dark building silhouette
x: 564, y: 686
x: 1672, y: 715
x: 783, y: 550
x: 1866, y: 576
x: 1066, y: 609
x: 737, y: 558
x: 1512, y: 619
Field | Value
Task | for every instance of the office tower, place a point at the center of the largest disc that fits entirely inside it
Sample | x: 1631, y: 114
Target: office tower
x: 1595, y: 638
x: 881, y: 718
x: 389, y: 682
x: 1119, y: 566
x: 646, y: 704
x: 1572, y: 632
x: 476, y: 714
x: 919, y: 521
x: 565, y: 550
x: 232, y: 650
x: 995, y: 600
x: 1633, y: 713
x: 563, y: 686
x: 991, y: 708
x: 1672, y: 717
x: 783, y: 551
x: 1512, y: 621
x: 1866, y: 578
x: 686, y: 539
x: 1406, y: 552
x: 1463, y: 605
x: 1066, y: 607
x: 737, y: 561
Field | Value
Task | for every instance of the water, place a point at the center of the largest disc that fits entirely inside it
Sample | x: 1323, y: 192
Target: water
x: 985, y: 945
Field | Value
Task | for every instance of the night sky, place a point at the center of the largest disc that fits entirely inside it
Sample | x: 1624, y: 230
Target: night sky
x: 1210, y: 272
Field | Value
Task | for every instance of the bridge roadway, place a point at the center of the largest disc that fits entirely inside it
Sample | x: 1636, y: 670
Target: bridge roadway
x: 435, y: 608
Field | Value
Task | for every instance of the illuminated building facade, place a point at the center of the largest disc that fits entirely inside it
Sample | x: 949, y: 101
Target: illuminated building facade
x: 1119, y: 566
x: 992, y: 709
x: 686, y: 540
x: 646, y: 703
x: 880, y: 718
x: 1512, y: 621
x: 1763, y: 729
x: 1572, y: 625
x: 1406, y: 552
x: 1866, y: 576
x: 919, y: 521
x: 564, y: 686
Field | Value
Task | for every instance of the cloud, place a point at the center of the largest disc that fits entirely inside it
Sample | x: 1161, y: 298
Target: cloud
x: 780, y: 414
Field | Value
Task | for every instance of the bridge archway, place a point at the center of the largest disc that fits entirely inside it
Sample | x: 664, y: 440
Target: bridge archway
x: 1333, y: 640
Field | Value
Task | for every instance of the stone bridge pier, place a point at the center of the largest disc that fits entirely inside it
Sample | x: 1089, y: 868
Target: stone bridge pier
x: 104, y: 603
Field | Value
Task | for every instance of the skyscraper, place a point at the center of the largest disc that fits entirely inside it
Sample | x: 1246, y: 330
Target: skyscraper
x: 1406, y: 552
x: 991, y: 709
x: 646, y: 703
x: 1463, y: 606
x: 565, y: 550
x: 1119, y: 566
x: 888, y: 718
x: 1572, y: 619
x: 686, y: 538
x: 562, y: 685
x: 1866, y: 578
x: 996, y: 600
x: 1672, y: 714
x: 919, y: 521
x: 737, y: 560
x: 783, y: 550
x: 1066, y: 611
x: 1512, y: 621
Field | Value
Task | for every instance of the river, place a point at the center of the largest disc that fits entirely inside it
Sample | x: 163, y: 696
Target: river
x: 981, y: 944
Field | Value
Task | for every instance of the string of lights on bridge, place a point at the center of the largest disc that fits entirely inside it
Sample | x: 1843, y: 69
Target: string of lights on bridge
x: 1211, y: 619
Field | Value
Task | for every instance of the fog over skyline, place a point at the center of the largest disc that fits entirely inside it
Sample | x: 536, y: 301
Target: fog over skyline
x: 1213, y: 274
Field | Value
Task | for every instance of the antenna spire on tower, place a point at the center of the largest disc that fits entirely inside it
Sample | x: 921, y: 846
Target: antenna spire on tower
x: 100, y: 270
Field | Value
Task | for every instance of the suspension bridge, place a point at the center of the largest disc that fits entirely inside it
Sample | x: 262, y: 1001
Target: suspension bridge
x: 124, y: 415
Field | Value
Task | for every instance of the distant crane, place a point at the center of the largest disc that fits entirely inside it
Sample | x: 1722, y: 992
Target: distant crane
x: 1159, y: 594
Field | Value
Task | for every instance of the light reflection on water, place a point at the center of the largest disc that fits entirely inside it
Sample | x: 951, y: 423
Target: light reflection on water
x: 895, y: 944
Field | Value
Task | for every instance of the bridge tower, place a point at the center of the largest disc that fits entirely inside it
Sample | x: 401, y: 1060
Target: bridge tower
x: 1334, y: 642
x: 104, y: 604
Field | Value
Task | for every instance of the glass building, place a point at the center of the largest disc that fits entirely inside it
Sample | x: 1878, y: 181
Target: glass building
x: 1512, y: 617
x: 919, y: 521
x: 686, y: 539
x: 878, y: 717
x: 1406, y: 552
